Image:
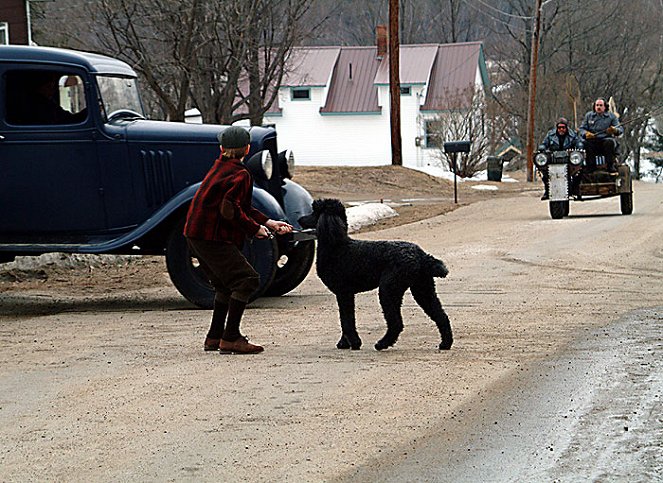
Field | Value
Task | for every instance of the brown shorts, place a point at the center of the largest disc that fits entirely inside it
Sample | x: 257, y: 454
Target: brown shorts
x: 228, y: 270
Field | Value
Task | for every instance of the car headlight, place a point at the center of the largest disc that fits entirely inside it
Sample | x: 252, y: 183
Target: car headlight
x: 287, y: 163
x: 541, y: 159
x: 261, y: 165
x: 576, y: 158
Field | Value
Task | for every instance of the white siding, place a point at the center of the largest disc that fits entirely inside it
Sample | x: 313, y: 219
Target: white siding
x: 352, y: 139
x: 332, y: 139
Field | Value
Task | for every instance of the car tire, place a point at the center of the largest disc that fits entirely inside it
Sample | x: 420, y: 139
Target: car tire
x: 190, y: 280
x: 626, y: 203
x: 567, y: 207
x: 297, y: 267
x: 557, y: 210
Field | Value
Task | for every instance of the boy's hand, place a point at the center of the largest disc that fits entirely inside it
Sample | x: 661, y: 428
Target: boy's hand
x: 279, y: 227
x: 263, y: 232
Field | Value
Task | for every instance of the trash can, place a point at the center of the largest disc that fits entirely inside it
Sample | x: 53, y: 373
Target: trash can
x: 494, y: 168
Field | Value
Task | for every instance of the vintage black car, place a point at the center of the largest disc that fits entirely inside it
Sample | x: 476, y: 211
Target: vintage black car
x: 83, y: 171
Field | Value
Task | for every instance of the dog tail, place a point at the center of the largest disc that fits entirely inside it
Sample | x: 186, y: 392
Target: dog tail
x: 437, y: 267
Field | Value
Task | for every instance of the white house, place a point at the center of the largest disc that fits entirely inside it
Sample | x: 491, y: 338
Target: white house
x: 333, y: 103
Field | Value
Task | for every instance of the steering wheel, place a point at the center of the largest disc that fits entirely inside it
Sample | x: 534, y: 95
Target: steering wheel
x: 121, y: 113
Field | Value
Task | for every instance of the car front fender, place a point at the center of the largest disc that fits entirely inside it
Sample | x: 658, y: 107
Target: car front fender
x: 298, y: 202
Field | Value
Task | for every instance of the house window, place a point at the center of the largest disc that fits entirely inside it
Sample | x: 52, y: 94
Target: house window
x: 301, y: 94
x: 432, y: 134
x: 406, y: 90
x: 4, y: 33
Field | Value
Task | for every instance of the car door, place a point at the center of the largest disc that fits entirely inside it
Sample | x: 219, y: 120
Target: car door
x: 49, y: 174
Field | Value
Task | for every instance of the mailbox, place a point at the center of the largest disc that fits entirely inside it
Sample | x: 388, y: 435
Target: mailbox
x: 457, y: 147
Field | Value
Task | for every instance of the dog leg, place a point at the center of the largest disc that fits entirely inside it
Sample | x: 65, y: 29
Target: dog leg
x: 391, y: 299
x: 424, y: 294
x: 350, y: 337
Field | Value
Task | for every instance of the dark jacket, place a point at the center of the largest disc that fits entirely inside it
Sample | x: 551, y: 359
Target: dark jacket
x: 598, y: 123
x: 221, y: 209
x: 552, y: 142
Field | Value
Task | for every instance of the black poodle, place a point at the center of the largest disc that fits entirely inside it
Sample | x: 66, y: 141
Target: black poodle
x: 347, y: 266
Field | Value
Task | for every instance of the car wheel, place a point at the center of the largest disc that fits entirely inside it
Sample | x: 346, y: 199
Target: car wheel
x: 567, y: 207
x: 626, y: 203
x: 556, y: 209
x: 190, y: 280
x: 294, y: 271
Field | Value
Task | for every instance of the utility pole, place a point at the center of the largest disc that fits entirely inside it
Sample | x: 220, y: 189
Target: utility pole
x: 395, y: 84
x: 534, y: 60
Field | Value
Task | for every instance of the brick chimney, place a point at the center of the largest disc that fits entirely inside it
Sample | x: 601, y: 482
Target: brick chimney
x: 382, y: 39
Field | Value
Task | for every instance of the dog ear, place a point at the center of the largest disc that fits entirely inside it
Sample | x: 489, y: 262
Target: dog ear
x: 331, y: 228
x: 318, y: 205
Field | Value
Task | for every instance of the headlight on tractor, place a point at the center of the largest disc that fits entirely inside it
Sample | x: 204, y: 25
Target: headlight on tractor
x: 541, y: 159
x: 261, y: 165
x: 576, y: 158
x: 286, y: 162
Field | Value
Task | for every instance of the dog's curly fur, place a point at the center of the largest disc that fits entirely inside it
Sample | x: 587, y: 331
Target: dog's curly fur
x: 347, y: 267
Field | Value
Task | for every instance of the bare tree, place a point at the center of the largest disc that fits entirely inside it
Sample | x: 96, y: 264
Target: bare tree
x: 222, y: 56
x: 160, y: 39
x: 465, y: 120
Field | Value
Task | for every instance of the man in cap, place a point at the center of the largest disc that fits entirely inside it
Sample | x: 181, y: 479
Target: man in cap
x: 560, y: 138
x: 220, y: 218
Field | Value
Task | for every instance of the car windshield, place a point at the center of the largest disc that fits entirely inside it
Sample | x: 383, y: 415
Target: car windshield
x: 119, y: 94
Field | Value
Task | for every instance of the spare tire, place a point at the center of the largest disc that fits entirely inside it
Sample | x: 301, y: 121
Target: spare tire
x: 190, y: 280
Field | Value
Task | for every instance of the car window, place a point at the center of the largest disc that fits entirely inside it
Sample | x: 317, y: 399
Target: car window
x: 119, y: 94
x: 43, y: 97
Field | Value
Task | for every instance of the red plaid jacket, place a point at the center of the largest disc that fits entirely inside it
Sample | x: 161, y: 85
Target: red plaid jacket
x: 221, y: 209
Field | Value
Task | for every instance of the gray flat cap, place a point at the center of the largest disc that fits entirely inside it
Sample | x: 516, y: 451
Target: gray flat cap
x: 234, y: 137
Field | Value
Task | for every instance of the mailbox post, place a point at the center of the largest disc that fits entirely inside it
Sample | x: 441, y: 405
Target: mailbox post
x: 453, y: 148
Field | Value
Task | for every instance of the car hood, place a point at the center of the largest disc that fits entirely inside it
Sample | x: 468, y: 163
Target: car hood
x: 180, y: 132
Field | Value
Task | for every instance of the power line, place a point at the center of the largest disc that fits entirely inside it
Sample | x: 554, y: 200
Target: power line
x: 494, y: 18
x: 502, y: 12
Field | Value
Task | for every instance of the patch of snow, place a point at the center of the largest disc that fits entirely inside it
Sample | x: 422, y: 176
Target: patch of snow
x: 368, y: 214
x: 485, y: 187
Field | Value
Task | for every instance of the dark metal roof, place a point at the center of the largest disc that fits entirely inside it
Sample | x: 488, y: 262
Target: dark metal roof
x: 446, y: 69
x: 352, y: 88
x: 416, y: 62
x: 95, y: 63
x: 310, y: 66
x: 453, y: 74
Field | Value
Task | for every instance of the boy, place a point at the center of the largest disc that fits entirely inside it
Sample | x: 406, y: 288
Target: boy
x: 220, y: 218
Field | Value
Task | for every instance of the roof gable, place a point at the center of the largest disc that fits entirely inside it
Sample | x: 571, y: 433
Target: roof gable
x: 454, y: 73
x: 416, y: 62
x: 310, y: 66
x: 351, y: 88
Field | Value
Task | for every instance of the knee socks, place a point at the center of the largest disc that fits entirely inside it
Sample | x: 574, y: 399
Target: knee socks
x: 235, y: 312
x: 218, y: 320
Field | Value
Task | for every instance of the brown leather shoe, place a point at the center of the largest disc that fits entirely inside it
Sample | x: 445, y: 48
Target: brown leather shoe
x: 239, y: 346
x: 211, y: 344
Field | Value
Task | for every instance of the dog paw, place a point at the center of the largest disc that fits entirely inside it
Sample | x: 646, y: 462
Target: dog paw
x: 445, y: 346
x: 346, y: 343
x: 381, y: 345
x: 343, y: 343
